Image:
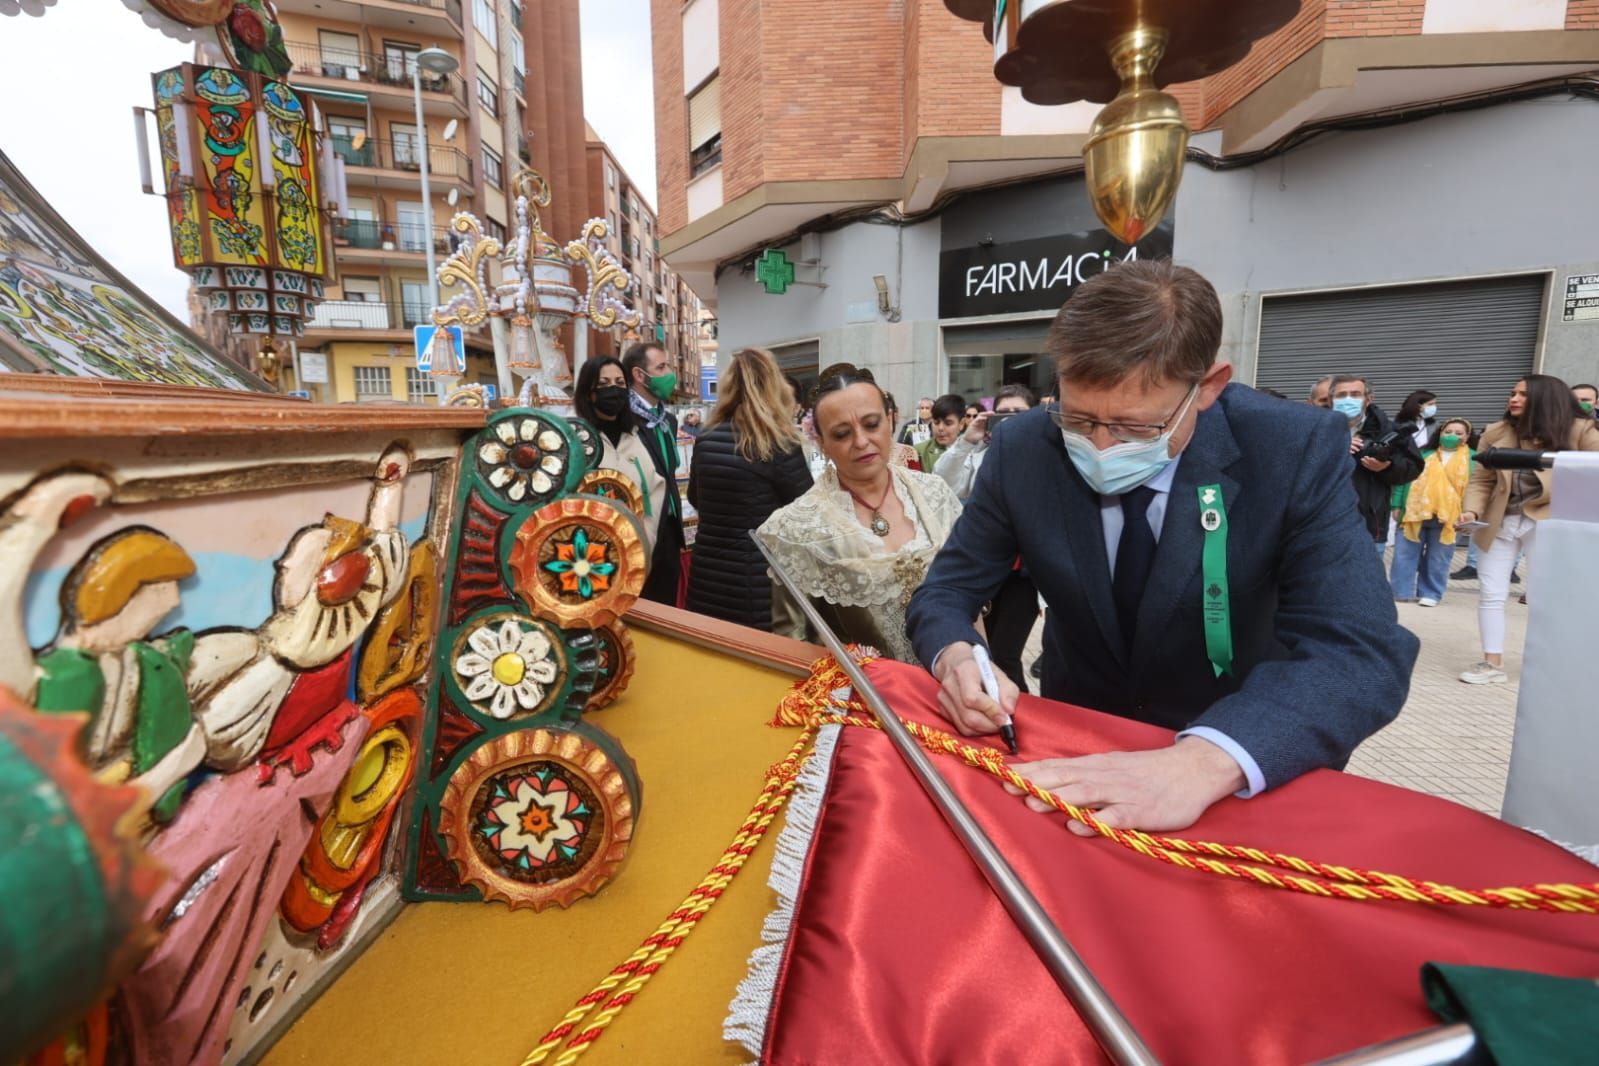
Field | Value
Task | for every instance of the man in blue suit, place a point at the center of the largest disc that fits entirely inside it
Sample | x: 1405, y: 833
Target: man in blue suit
x: 1201, y: 555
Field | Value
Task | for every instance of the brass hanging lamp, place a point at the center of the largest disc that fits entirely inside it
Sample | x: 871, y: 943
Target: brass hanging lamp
x: 1119, y: 52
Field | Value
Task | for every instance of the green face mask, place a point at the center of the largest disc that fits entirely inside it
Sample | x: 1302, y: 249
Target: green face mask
x: 1450, y: 441
x: 662, y: 385
x: 1587, y: 408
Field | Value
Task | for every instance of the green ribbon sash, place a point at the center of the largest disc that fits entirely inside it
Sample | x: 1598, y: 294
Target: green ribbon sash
x: 1218, y: 612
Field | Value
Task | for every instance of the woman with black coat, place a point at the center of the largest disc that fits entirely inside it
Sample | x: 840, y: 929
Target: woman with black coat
x: 749, y: 461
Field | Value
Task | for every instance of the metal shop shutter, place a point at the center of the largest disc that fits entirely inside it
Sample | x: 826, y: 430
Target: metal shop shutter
x: 1467, y: 341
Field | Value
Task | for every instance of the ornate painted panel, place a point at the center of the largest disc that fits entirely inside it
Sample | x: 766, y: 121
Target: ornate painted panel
x: 243, y: 631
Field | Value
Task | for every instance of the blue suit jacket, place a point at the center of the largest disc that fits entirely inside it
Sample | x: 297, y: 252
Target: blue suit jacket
x: 1320, y: 661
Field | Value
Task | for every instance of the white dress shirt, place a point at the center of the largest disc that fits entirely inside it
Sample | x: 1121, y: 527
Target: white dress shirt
x: 1111, y: 521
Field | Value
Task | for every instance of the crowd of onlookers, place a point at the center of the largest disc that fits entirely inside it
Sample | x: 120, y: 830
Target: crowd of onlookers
x: 1418, y: 487
x: 860, y: 500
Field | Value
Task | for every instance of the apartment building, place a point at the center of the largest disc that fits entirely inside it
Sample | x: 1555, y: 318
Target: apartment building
x: 668, y: 307
x: 357, y: 59
x: 1398, y: 188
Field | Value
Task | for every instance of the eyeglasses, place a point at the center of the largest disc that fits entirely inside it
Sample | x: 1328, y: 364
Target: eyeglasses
x: 1126, y: 432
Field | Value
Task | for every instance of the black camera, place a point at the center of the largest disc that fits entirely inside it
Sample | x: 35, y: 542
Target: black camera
x: 1382, y: 448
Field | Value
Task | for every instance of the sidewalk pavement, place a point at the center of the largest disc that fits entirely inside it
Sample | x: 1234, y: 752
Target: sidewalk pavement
x: 1451, y: 739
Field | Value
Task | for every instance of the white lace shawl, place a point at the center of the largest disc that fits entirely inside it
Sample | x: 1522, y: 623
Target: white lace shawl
x: 832, y: 556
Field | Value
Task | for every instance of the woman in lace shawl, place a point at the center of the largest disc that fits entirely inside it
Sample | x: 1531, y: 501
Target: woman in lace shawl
x: 859, y: 542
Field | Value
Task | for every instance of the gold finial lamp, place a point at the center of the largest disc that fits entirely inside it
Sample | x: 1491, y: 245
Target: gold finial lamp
x: 1119, y: 52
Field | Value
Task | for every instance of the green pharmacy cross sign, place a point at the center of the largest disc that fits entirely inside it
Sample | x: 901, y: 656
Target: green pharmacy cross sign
x: 774, y: 271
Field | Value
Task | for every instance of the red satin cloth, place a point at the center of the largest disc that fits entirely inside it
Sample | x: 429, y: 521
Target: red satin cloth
x: 901, y: 953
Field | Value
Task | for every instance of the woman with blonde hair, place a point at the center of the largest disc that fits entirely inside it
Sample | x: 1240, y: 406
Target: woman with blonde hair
x: 749, y: 461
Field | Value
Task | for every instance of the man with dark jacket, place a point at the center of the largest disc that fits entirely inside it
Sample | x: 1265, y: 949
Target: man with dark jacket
x: 1199, y: 574
x: 1383, y: 457
x: 652, y: 382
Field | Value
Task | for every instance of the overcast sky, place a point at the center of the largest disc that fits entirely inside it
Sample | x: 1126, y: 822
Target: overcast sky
x: 71, y: 79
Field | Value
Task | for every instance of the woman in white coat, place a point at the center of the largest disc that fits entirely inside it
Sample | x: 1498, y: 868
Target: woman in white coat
x: 601, y: 398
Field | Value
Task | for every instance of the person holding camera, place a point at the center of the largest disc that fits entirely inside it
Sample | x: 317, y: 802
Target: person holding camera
x: 1384, y: 456
x: 1503, y: 507
x: 959, y: 464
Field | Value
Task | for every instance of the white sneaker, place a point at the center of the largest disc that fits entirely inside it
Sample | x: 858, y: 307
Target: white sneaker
x: 1485, y: 673
x: 1427, y: 602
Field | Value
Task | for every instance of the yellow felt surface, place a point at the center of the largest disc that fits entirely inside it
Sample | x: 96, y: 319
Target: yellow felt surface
x: 475, y: 983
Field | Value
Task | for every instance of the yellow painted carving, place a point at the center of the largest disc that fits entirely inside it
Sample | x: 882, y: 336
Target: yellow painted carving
x: 136, y: 558
x: 379, y: 772
x: 397, y: 650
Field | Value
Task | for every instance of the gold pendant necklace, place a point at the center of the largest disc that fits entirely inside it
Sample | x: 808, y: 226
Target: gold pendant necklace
x: 878, y: 524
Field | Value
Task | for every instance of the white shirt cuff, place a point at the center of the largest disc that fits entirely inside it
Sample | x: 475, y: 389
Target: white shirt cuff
x: 1256, y: 781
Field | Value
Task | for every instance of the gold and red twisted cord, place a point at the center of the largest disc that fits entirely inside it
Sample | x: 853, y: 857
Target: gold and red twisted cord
x: 653, y: 952
x: 813, y: 703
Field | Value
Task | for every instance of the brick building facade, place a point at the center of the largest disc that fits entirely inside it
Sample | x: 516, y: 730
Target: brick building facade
x: 669, y: 308
x: 850, y: 135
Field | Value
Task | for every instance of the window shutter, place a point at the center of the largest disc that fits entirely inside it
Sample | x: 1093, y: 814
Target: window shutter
x: 1467, y: 341
x: 705, y: 113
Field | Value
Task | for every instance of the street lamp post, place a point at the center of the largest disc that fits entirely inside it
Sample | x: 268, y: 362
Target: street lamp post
x: 434, y: 60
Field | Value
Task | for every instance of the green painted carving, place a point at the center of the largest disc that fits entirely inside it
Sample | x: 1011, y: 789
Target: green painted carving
x: 70, y: 927
x: 500, y: 668
x: 70, y: 680
x: 164, y: 718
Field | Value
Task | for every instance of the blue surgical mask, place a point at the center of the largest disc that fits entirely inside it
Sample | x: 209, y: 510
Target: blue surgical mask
x: 1123, y: 467
x: 1430, y: 411
x: 1351, y: 407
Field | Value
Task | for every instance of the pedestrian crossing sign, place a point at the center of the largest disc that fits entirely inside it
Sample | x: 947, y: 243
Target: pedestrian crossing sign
x: 440, y: 350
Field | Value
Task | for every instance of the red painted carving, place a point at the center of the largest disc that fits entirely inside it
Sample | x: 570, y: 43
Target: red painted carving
x: 312, y: 715
x: 433, y: 872
x: 341, y: 579
x: 477, y: 565
x: 454, y: 730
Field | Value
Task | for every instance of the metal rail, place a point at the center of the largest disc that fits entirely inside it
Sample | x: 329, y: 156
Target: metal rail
x: 1109, y: 1026
x: 1447, y: 1045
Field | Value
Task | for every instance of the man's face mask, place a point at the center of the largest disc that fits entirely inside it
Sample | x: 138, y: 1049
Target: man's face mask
x: 1351, y: 407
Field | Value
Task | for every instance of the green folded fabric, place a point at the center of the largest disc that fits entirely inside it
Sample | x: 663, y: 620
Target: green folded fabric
x: 1524, y: 1019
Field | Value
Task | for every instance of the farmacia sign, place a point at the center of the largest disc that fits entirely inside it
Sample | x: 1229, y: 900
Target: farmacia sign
x: 1033, y: 275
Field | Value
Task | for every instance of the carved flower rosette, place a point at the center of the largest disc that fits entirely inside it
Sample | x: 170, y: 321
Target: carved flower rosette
x: 536, y: 817
x: 589, y: 438
x: 580, y: 561
x: 615, y: 667
x: 506, y: 665
x: 527, y: 458
x: 613, y: 485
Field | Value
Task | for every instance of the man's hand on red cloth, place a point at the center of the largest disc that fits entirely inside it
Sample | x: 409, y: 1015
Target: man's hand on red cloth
x: 961, y: 698
x: 1159, y: 790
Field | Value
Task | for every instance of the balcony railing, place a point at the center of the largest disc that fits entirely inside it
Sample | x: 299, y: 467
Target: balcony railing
x: 404, y: 154
x: 364, y: 314
x: 451, y: 8
x: 390, y: 236
x: 370, y: 68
